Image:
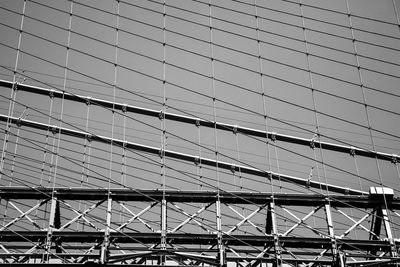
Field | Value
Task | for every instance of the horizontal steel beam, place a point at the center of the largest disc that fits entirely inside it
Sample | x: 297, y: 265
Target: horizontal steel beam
x: 232, y: 197
x: 211, y: 124
x: 193, y: 239
x: 185, y: 157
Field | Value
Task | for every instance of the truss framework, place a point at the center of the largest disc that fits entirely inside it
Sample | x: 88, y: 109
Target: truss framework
x: 253, y: 238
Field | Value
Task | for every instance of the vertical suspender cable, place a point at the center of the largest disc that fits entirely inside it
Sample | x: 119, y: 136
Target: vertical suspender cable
x: 271, y: 208
x: 310, y: 76
x: 163, y: 143
x: 239, y: 160
x: 364, y: 95
x: 85, y: 160
x: 123, y: 161
x: 46, y: 141
x: 317, y: 135
x: 221, y: 252
x: 45, y: 149
x: 387, y: 215
x: 396, y: 13
x: 11, y: 105
x: 54, y: 203
x: 106, y: 242
x: 62, y: 99
x: 198, y: 162
x: 13, y: 94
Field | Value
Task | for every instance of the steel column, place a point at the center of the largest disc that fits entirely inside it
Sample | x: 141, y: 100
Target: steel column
x: 104, y: 253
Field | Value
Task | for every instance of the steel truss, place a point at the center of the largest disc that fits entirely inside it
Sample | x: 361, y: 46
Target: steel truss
x: 254, y: 238
x: 164, y: 227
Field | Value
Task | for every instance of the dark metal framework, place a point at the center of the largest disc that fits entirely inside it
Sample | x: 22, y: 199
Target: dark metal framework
x: 57, y: 242
x: 107, y: 223
x: 116, y: 241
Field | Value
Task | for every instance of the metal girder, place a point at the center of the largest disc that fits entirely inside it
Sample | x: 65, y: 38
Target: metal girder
x: 245, y: 219
x: 104, y: 252
x: 220, y: 243
x: 191, y: 217
x: 210, y: 124
x: 135, y: 216
x: 226, y: 197
x: 51, y: 227
x: 389, y: 234
x: 185, y: 157
x: 197, y: 239
x: 22, y: 215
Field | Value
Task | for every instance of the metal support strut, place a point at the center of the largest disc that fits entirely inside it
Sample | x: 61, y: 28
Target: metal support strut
x: 221, y: 251
x: 104, y: 253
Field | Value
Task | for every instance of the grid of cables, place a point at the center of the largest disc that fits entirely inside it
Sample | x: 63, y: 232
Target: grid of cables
x: 293, y: 97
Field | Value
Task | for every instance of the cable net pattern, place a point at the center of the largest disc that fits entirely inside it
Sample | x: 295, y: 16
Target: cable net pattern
x: 166, y: 132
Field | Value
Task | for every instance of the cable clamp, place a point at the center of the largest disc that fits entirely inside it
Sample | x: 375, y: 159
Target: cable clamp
x: 197, y: 160
x: 197, y: 122
x: 273, y: 136
x: 161, y: 115
x: 346, y: 191
x: 89, y: 137
x: 53, y: 129
x: 15, y: 86
x: 161, y: 153
x: 233, y: 168
x: 88, y: 100
x: 352, y: 151
x: 124, y: 107
x: 312, y: 144
x: 235, y: 129
x: 308, y: 183
x: 394, y: 158
x: 51, y: 94
x: 314, y: 139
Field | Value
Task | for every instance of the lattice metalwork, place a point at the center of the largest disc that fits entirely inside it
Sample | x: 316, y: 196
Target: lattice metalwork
x: 209, y: 133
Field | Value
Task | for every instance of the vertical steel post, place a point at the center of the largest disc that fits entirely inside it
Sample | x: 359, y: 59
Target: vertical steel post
x: 389, y: 233
x: 221, y: 252
x: 331, y: 233
x: 106, y: 243
x: 277, y: 247
x: 163, y: 230
x: 50, y: 228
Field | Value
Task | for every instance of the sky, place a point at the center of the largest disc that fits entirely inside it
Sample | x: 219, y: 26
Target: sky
x: 322, y: 70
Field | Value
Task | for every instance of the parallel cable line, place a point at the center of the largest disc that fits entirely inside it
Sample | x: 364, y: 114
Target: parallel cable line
x: 343, y: 13
x: 182, y: 156
x: 308, y: 18
x: 206, y: 123
x: 27, y: 133
x: 222, y: 46
x: 231, y: 64
x: 186, y: 111
x: 193, y: 91
x: 285, y: 149
x: 273, y: 44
